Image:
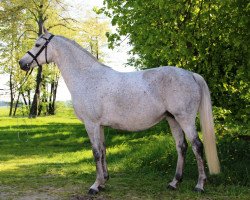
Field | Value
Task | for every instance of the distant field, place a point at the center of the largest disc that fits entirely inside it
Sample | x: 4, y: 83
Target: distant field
x: 50, y: 158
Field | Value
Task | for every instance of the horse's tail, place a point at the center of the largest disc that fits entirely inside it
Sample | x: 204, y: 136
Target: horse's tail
x: 207, y: 125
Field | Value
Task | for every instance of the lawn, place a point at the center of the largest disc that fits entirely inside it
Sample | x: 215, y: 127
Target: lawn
x: 50, y: 158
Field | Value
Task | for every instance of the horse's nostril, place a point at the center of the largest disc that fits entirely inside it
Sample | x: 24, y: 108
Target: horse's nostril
x: 24, y: 66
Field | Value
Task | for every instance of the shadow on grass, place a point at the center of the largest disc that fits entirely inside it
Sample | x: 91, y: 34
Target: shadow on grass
x: 142, y: 162
x: 57, y: 137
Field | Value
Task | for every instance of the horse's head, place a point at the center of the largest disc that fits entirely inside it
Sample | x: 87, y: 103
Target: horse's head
x: 40, y: 53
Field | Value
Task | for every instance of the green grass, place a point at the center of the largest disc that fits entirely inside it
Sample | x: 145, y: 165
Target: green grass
x: 50, y: 158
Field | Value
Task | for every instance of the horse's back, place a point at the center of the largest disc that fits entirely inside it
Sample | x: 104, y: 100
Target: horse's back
x: 169, y: 87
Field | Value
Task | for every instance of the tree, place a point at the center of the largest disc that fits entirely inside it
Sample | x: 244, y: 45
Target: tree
x: 207, y: 37
x: 21, y: 23
x: 92, y: 34
x: 24, y: 20
x: 10, y: 20
x: 50, y: 80
x: 41, y: 13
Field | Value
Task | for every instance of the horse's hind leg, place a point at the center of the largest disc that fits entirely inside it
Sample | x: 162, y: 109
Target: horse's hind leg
x: 187, y: 124
x: 181, y: 147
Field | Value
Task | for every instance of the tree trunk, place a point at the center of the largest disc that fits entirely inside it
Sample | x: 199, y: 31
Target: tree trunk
x: 24, y: 99
x: 25, y: 103
x: 44, y: 99
x: 29, y: 101
x: 17, y: 101
x: 52, y: 99
x: 52, y: 85
x: 54, y: 96
x: 11, y: 95
x: 36, y: 99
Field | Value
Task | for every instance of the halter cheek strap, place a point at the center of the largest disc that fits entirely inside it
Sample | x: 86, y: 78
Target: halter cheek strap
x: 34, y: 58
x: 47, y: 42
x: 41, y: 50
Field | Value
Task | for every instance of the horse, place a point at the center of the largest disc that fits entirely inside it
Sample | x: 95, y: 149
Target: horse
x: 131, y: 101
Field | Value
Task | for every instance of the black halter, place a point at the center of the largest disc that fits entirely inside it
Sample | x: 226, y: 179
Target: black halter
x: 40, y: 51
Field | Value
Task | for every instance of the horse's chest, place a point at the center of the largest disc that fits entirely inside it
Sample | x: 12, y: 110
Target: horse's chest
x: 87, y: 108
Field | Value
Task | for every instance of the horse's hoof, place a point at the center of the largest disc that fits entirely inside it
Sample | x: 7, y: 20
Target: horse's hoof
x: 106, y: 177
x: 93, y: 191
x: 199, y: 190
x: 171, y: 187
x: 101, y: 188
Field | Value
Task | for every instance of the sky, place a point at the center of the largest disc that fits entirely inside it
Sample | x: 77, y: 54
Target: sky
x: 115, y: 58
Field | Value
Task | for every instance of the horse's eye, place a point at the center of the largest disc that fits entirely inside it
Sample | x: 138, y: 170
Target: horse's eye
x: 38, y: 45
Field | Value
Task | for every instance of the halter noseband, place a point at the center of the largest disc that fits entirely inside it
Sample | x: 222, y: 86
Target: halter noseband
x: 40, y: 51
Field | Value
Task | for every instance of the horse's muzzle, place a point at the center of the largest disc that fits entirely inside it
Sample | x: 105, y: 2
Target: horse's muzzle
x: 25, y: 67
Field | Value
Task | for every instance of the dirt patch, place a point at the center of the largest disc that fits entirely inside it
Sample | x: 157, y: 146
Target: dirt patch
x: 46, y: 193
x: 86, y: 197
x: 38, y: 196
x: 5, y: 191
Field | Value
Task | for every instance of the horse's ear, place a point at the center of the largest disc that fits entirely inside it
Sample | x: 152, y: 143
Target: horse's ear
x: 45, y: 30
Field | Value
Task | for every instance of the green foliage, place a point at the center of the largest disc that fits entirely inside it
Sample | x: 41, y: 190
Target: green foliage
x: 208, y: 37
x: 93, y: 35
x: 21, y: 23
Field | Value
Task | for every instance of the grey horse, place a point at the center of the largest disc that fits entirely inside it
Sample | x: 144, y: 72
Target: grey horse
x: 131, y: 101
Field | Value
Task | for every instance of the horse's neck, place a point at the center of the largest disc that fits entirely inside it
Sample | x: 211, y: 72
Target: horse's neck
x: 73, y: 63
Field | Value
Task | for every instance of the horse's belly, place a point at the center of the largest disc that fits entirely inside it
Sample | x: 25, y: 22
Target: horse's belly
x: 134, y: 121
x: 135, y: 126
x: 137, y: 110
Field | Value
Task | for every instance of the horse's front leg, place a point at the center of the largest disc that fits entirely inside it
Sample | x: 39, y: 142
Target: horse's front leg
x: 103, y: 158
x: 96, y: 136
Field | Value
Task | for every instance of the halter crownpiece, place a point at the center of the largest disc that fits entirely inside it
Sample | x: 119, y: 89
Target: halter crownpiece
x: 40, y: 51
